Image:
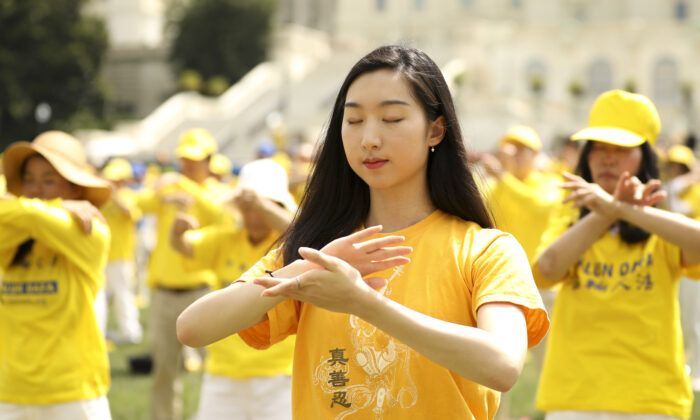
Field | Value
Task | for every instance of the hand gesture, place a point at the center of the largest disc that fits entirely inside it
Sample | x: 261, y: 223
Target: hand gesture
x: 369, y: 255
x: 184, y: 222
x: 336, y: 286
x: 630, y: 189
x: 247, y: 199
x: 83, y: 212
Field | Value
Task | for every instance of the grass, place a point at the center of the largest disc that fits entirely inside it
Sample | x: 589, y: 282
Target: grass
x: 130, y: 394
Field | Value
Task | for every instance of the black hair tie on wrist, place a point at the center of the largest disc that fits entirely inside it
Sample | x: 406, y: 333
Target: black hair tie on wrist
x: 269, y: 273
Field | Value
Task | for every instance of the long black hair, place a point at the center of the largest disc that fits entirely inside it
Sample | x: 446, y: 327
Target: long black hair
x: 336, y: 200
x: 648, y: 170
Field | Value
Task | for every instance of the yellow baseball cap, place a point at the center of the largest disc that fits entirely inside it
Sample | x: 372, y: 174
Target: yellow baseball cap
x: 220, y: 165
x: 523, y: 135
x: 681, y: 154
x: 622, y: 118
x: 117, y: 170
x: 196, y: 144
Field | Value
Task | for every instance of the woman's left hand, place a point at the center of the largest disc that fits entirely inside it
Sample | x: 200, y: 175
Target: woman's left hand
x: 336, y: 286
x: 588, y: 194
x: 629, y: 189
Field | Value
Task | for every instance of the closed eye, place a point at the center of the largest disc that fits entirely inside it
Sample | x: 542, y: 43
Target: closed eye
x: 394, y: 120
x: 351, y: 122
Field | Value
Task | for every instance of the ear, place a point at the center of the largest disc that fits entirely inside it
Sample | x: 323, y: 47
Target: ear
x: 436, y: 131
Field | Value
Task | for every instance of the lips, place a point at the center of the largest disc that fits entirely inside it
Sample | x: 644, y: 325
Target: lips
x: 374, y: 163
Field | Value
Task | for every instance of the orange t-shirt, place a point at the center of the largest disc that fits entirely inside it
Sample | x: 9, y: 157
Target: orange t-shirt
x: 345, y: 368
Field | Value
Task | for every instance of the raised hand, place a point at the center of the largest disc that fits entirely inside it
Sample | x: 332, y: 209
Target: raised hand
x: 184, y: 222
x: 369, y: 255
x: 631, y: 190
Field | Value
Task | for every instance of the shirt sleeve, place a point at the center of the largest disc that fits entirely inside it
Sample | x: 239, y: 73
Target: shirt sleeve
x: 561, y: 219
x: 283, y: 319
x: 501, y: 273
x: 47, y: 222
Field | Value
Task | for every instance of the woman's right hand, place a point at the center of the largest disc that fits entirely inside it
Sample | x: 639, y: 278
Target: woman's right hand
x: 369, y: 255
x: 83, y: 212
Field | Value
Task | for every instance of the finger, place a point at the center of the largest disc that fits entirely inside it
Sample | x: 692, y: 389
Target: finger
x: 570, y: 185
x: 376, y: 283
x: 575, y: 196
x: 651, y: 186
x: 382, y: 265
x: 268, y: 282
x: 87, y: 225
x: 324, y: 260
x: 384, y: 253
x: 572, y: 177
x: 363, y: 234
x: 377, y: 243
x: 655, y: 198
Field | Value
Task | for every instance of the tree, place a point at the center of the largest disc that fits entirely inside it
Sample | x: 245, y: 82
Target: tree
x: 49, y: 53
x: 222, y: 38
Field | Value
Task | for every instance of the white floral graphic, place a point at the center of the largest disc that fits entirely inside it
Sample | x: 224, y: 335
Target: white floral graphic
x: 384, y: 362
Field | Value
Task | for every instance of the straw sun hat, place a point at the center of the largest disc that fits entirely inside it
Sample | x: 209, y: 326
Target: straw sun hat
x: 66, y: 155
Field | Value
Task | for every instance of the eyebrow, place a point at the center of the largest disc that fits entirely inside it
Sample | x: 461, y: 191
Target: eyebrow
x: 383, y: 103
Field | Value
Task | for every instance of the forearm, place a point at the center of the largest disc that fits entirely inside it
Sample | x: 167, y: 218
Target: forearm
x: 230, y: 310
x: 474, y: 353
x: 180, y: 243
x: 673, y: 227
x: 567, y: 249
x: 278, y: 217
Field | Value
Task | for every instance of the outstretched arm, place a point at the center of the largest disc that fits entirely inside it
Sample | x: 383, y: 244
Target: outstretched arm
x: 241, y: 305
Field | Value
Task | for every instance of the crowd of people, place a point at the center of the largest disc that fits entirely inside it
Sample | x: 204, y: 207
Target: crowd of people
x: 386, y: 272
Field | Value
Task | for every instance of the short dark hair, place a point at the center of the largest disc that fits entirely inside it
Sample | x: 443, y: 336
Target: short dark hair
x: 336, y: 200
x: 648, y: 170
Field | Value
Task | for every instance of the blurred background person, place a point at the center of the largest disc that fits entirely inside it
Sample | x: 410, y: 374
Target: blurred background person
x: 521, y: 199
x: 173, y: 287
x: 53, y: 361
x: 615, y: 348
x: 122, y: 214
x: 684, y: 197
x: 241, y: 382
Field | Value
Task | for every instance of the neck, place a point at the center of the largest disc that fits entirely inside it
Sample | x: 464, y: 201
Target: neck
x: 398, y: 209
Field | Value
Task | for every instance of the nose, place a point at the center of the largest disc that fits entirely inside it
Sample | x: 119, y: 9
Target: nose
x: 371, y: 138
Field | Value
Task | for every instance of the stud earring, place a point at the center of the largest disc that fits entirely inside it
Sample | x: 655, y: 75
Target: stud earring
x: 432, y: 149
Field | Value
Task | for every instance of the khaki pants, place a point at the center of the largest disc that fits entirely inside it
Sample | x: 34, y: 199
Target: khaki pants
x: 166, y: 306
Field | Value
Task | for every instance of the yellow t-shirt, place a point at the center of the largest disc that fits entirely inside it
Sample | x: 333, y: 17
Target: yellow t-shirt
x: 692, y: 196
x: 166, y: 267
x: 51, y: 349
x: 122, y: 225
x: 3, y: 185
x: 615, y: 342
x: 522, y: 208
x: 230, y: 253
x: 346, y: 368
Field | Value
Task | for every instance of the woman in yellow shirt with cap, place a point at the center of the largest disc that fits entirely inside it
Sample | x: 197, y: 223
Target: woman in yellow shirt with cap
x: 379, y: 336
x: 615, y: 348
x: 53, y: 361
